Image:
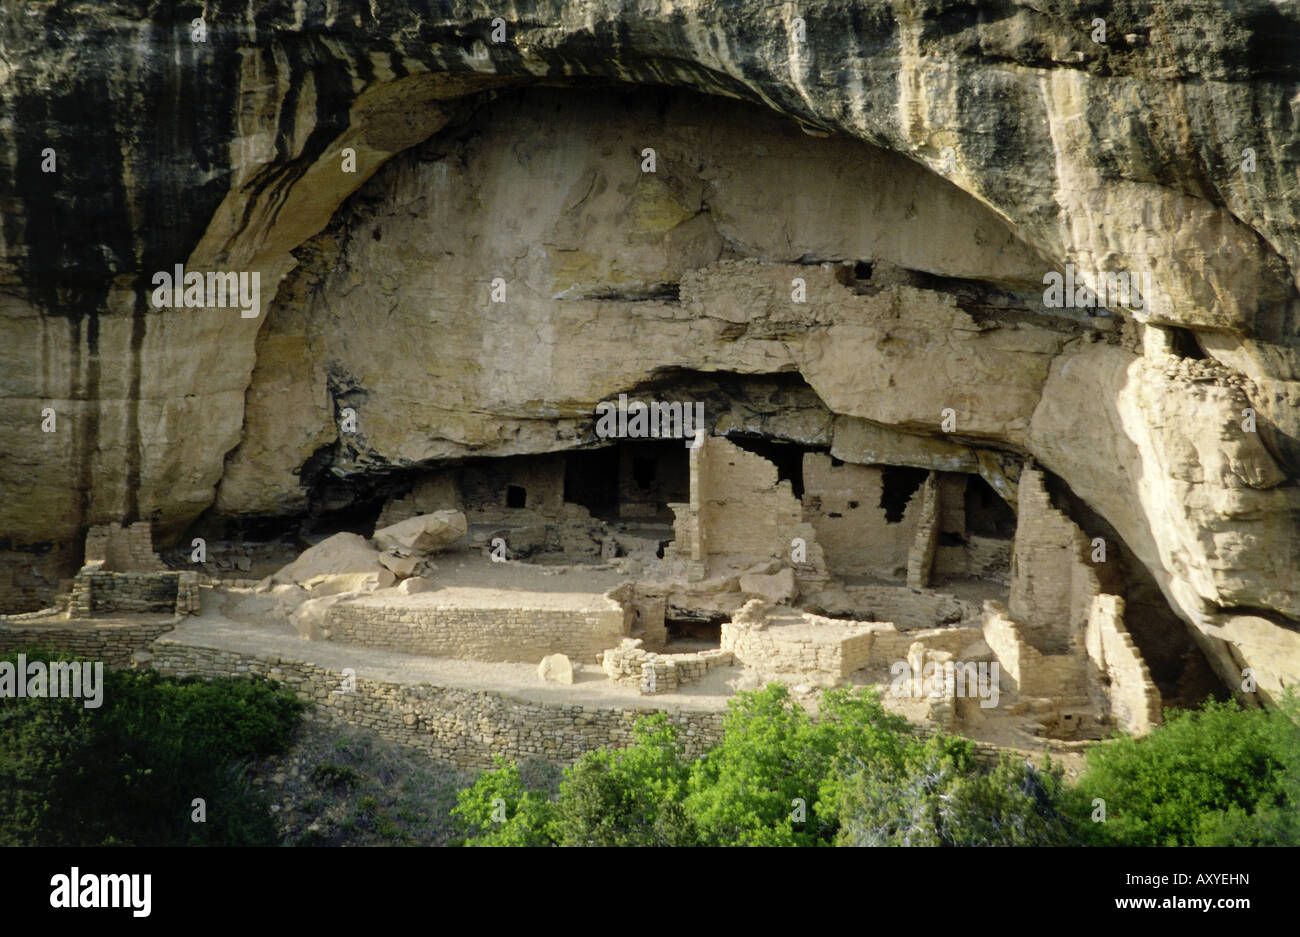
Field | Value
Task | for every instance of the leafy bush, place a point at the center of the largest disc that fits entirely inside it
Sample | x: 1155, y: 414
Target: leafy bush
x: 497, y: 810
x: 328, y: 774
x: 627, y: 797
x: 127, y: 772
x: 630, y: 797
x: 776, y: 778
x: 1220, y: 775
x: 942, y: 802
x: 856, y: 775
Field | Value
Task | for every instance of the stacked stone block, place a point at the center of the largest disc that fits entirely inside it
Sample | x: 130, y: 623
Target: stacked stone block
x: 122, y: 549
x: 98, y: 592
x: 920, y: 557
x: 489, y: 634
x: 653, y: 673
x: 809, y: 644
x: 1030, y: 671
x: 115, y: 644
x: 1134, y: 700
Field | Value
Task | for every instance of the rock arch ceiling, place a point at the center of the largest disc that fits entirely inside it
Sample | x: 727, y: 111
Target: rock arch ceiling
x: 1122, y: 157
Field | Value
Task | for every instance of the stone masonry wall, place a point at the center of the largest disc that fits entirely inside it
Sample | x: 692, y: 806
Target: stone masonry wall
x: 652, y: 673
x: 1029, y: 670
x: 842, y: 503
x: 986, y: 558
x: 114, y: 643
x: 817, y: 646
x: 920, y: 555
x: 1052, y: 581
x: 122, y: 549
x: 1135, y: 702
x: 97, y: 592
x: 491, y: 634
x: 889, y: 645
x: 746, y: 513
x: 464, y: 727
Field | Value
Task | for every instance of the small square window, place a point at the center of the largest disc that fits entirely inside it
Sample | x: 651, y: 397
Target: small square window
x: 516, y: 497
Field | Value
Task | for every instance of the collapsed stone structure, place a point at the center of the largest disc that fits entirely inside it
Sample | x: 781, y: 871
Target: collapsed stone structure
x: 732, y: 576
x: 115, y: 607
x: 903, y: 427
x: 122, y: 574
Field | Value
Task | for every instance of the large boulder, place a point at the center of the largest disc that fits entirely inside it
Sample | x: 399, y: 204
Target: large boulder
x: 402, y: 567
x: 424, y: 534
x: 335, y: 583
x: 414, y: 585
x: 556, y: 668
x: 340, y: 554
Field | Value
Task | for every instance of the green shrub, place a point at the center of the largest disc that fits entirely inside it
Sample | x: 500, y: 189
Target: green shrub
x: 777, y: 776
x: 328, y: 774
x: 1220, y: 775
x: 497, y: 810
x: 942, y: 801
x: 857, y: 776
x: 127, y: 772
x: 776, y: 779
x: 628, y: 797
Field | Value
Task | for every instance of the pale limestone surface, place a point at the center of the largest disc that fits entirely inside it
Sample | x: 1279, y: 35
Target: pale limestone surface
x: 773, y: 587
x: 340, y: 554
x: 422, y: 534
x: 556, y: 668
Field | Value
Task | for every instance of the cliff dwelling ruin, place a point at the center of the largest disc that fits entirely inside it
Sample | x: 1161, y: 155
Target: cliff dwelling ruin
x: 1021, y: 520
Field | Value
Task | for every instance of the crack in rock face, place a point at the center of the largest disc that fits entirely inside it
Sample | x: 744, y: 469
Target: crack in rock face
x: 1056, y: 277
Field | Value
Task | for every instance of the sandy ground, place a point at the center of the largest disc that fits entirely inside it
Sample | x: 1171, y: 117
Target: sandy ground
x: 243, y: 621
x: 277, y: 638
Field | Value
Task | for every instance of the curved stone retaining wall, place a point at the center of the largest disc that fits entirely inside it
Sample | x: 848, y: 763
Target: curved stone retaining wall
x: 113, y: 643
x: 464, y: 727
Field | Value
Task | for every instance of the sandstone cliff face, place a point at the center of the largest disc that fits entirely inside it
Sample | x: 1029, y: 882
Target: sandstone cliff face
x: 973, y: 148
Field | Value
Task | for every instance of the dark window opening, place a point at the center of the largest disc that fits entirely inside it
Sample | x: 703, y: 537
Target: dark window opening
x: 835, y: 514
x: 898, y: 484
x: 652, y: 475
x: 516, y: 497
x: 862, y: 270
x: 591, y: 479
x: 853, y: 504
x: 987, y: 515
x: 690, y: 634
x: 786, y: 456
x: 1185, y: 344
x: 643, y: 471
